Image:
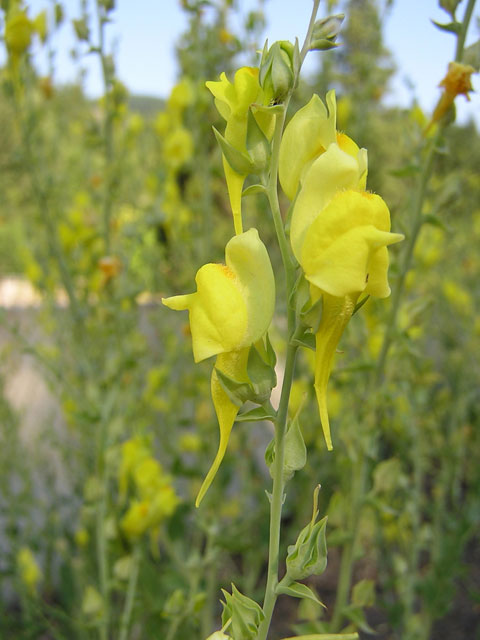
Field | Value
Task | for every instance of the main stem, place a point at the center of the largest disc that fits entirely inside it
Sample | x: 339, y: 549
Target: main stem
x: 276, y: 501
x: 131, y: 590
x: 277, y: 497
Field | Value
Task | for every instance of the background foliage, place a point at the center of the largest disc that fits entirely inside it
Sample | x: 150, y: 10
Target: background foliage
x: 108, y: 204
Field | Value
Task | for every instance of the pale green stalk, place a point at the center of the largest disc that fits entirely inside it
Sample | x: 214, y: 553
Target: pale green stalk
x: 276, y: 500
x: 131, y: 590
x: 107, y: 128
x: 360, y: 467
x: 277, y: 496
x: 101, y: 512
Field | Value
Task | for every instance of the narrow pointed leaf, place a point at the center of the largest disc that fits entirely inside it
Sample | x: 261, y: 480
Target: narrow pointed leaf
x: 451, y: 27
x: 306, y: 340
x: 298, y: 590
x: 325, y: 636
x: 239, y: 162
x: 238, y: 392
x: 257, y: 414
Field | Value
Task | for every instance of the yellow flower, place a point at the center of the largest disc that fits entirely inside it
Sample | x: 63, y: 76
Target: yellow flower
x: 149, y: 478
x: 134, y: 451
x: 233, y: 305
x: 146, y: 514
x: 18, y: 33
x: 178, y: 147
x: 456, y: 82
x: 231, y: 310
x: 344, y: 254
x: 40, y: 25
x: 182, y: 95
x: 92, y: 603
x: 30, y: 572
x: 233, y: 102
x: 312, y: 147
x: 344, y: 248
x: 190, y: 443
x: 81, y: 537
x: 339, y: 232
x: 135, y: 522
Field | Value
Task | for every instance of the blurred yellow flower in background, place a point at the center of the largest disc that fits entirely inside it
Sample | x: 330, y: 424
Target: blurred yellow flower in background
x: 28, y: 569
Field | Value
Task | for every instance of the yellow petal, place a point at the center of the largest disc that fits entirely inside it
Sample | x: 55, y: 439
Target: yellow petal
x: 223, y: 93
x: 335, y: 316
x: 308, y: 134
x: 248, y: 258
x: 235, y: 98
x: 247, y: 89
x: 378, y: 274
x: 341, y: 248
x: 233, y: 304
x: 332, y: 171
x: 235, y: 187
x: 234, y: 365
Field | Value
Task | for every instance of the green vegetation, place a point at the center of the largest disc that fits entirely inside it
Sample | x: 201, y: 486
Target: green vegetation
x: 107, y: 429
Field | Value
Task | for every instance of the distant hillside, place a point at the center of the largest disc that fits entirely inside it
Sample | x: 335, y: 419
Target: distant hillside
x: 145, y: 105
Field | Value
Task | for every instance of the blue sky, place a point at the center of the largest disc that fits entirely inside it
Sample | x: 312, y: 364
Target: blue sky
x: 146, y: 31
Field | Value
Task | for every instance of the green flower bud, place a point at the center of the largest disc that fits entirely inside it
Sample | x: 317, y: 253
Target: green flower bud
x: 18, y: 33
x: 244, y: 614
x: 277, y: 70
x: 308, y: 556
x: 81, y: 29
x: 325, y: 32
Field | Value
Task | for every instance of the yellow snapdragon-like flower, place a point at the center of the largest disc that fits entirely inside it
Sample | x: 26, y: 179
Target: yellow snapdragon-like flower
x: 155, y: 498
x: 344, y: 249
x: 182, y: 95
x: 233, y: 305
x: 178, y: 148
x: 146, y: 514
x: 18, y: 32
x: 231, y: 310
x: 339, y: 232
x: 233, y: 100
x: 30, y: 572
x: 456, y: 82
x: 133, y: 453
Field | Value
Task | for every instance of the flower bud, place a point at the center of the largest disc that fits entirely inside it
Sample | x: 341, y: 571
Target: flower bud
x: 18, y: 33
x: 245, y: 614
x: 308, y: 556
x: 325, y: 32
x: 277, y: 73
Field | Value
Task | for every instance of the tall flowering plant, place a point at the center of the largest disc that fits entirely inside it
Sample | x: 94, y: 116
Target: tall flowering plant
x: 334, y: 253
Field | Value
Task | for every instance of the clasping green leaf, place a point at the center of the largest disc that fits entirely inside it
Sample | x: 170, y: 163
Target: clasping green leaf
x: 308, y: 556
x: 245, y: 615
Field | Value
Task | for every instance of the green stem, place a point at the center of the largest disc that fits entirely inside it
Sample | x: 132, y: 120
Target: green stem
x: 272, y: 194
x: 107, y: 129
x: 416, y: 507
x: 101, y: 551
x: 131, y: 590
x: 210, y: 584
x: 417, y: 215
x: 463, y: 31
x: 411, y: 241
x: 276, y: 501
x: 306, y: 44
x: 359, y: 478
x: 101, y: 512
x: 277, y: 497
